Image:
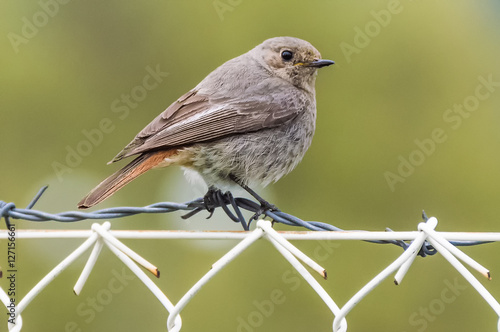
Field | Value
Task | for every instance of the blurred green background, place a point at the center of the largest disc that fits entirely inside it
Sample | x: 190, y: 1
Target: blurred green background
x: 403, y: 71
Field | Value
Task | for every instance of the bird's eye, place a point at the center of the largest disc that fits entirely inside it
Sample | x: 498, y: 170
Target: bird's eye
x: 287, y: 55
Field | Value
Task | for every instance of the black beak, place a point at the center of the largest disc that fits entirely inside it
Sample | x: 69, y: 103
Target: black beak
x: 319, y: 63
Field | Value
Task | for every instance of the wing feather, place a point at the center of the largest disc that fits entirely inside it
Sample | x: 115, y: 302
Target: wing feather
x: 196, y: 118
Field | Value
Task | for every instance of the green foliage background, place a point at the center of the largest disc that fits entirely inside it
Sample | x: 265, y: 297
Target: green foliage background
x: 385, y: 91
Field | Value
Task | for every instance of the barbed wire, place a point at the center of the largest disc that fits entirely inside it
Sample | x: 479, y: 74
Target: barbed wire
x: 217, y: 200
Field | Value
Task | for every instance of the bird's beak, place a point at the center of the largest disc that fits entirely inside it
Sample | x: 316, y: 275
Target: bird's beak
x: 316, y: 63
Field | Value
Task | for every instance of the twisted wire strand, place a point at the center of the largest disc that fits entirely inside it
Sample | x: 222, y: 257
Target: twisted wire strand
x: 222, y: 200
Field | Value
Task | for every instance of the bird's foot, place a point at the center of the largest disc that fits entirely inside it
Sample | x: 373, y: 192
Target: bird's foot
x: 264, y: 207
x: 215, y: 198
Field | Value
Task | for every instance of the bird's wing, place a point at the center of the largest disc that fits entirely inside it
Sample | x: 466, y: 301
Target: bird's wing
x: 196, y: 118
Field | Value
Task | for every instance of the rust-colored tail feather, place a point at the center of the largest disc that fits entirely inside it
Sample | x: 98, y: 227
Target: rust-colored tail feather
x: 123, y: 176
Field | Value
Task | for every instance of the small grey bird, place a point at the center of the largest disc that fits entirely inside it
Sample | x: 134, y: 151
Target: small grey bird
x: 250, y: 121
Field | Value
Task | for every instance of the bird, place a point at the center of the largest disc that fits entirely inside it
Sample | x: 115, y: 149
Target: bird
x: 249, y: 122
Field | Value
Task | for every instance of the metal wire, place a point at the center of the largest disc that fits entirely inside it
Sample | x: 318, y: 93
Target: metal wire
x: 217, y: 200
x: 102, y: 235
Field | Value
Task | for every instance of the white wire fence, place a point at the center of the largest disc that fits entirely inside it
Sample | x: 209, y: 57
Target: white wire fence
x: 101, y: 235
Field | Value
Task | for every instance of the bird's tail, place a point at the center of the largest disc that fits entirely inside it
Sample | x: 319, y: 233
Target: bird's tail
x: 120, y: 178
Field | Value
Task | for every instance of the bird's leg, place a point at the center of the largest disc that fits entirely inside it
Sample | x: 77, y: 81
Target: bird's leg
x: 264, y: 205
